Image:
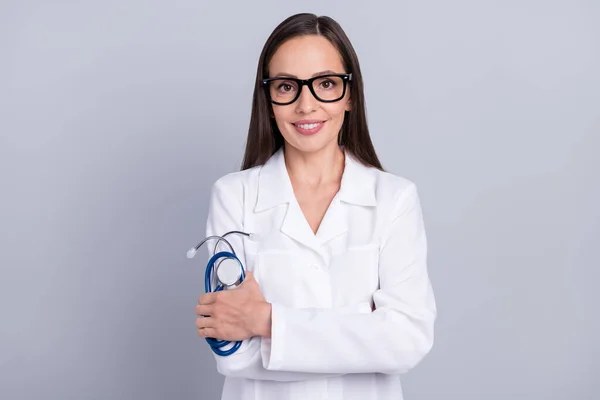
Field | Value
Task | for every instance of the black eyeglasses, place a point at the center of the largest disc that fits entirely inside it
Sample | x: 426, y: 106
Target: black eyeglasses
x: 326, y: 88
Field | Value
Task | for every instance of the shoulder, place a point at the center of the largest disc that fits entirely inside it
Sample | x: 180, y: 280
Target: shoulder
x: 393, y: 191
x: 235, y: 183
x: 393, y: 185
x: 385, y: 184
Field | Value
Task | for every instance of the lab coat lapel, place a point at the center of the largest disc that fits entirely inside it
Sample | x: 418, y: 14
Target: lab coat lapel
x: 357, y: 189
x: 335, y: 221
x: 275, y: 188
x: 296, y: 226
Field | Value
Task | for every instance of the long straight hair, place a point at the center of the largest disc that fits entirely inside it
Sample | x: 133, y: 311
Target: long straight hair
x: 264, y: 137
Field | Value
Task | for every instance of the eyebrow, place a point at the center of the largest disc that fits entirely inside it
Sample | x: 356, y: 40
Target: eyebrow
x: 326, y: 72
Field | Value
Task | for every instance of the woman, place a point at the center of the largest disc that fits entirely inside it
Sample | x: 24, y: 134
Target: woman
x: 337, y: 301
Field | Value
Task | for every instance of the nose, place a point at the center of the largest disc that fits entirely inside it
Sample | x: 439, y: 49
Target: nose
x: 306, y: 103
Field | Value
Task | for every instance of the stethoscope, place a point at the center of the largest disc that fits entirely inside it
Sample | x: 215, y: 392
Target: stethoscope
x: 225, y: 271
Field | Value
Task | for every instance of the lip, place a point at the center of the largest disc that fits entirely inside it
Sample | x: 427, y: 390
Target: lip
x: 308, y: 131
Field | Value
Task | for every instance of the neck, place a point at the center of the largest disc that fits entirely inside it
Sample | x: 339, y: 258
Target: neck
x: 325, y: 166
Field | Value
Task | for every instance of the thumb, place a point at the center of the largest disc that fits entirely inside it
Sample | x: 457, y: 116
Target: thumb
x: 250, y: 278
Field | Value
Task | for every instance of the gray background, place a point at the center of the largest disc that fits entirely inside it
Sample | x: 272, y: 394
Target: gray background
x: 117, y: 116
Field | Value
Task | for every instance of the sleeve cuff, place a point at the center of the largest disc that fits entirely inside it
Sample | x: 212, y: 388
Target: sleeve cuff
x: 272, y: 349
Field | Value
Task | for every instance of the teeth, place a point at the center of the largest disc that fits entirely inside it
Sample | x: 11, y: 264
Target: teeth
x: 308, y: 126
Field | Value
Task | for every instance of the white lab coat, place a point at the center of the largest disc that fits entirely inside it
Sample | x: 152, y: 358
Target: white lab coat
x: 369, y: 252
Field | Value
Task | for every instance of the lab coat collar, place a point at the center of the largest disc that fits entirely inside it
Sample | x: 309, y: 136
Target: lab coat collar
x: 274, y: 187
x: 358, y: 183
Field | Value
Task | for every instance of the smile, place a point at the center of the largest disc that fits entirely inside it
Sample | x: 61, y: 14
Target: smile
x: 308, y: 128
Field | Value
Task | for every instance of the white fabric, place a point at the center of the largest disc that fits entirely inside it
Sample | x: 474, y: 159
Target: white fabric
x: 370, y: 251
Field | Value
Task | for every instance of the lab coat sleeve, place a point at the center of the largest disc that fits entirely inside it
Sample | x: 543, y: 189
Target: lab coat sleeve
x: 390, y: 340
x: 226, y: 214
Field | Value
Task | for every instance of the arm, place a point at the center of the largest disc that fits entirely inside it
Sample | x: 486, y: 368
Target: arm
x: 226, y: 214
x: 390, y: 340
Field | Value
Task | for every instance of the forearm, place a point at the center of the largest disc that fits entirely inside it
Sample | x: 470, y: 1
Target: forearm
x: 389, y: 340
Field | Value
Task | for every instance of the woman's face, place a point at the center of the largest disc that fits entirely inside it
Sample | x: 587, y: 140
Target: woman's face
x: 308, y: 124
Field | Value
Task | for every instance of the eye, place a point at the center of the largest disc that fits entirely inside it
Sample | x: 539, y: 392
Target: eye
x: 285, y: 87
x: 327, y: 84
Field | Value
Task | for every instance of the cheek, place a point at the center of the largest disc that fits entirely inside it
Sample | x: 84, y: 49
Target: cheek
x: 282, y: 116
x: 337, y: 111
x: 336, y: 114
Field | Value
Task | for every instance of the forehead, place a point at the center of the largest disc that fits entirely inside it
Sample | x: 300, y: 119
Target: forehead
x: 305, y: 55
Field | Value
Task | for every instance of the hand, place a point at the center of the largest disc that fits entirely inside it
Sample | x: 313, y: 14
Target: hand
x: 235, y: 314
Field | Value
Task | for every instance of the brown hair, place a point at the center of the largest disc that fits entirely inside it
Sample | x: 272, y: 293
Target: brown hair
x: 264, y: 138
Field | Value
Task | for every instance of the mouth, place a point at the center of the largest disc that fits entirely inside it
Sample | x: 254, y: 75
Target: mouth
x: 308, y: 127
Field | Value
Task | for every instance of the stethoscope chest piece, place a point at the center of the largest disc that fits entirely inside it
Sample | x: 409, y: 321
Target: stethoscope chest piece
x: 229, y: 272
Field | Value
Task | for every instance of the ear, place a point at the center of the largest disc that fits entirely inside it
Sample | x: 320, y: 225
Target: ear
x: 348, y: 105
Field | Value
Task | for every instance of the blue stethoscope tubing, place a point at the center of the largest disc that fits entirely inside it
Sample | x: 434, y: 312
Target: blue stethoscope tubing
x: 218, y: 345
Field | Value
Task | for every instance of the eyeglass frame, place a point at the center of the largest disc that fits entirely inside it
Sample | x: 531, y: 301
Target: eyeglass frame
x: 308, y: 82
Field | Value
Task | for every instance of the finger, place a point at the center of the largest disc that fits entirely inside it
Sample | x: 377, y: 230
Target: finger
x: 205, y: 322
x: 205, y: 310
x: 207, y: 298
x: 207, y: 333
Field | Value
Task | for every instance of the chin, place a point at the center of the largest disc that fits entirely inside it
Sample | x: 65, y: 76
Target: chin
x: 311, y: 144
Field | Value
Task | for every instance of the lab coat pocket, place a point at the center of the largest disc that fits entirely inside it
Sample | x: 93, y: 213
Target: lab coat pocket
x: 355, y: 274
x: 276, y: 274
